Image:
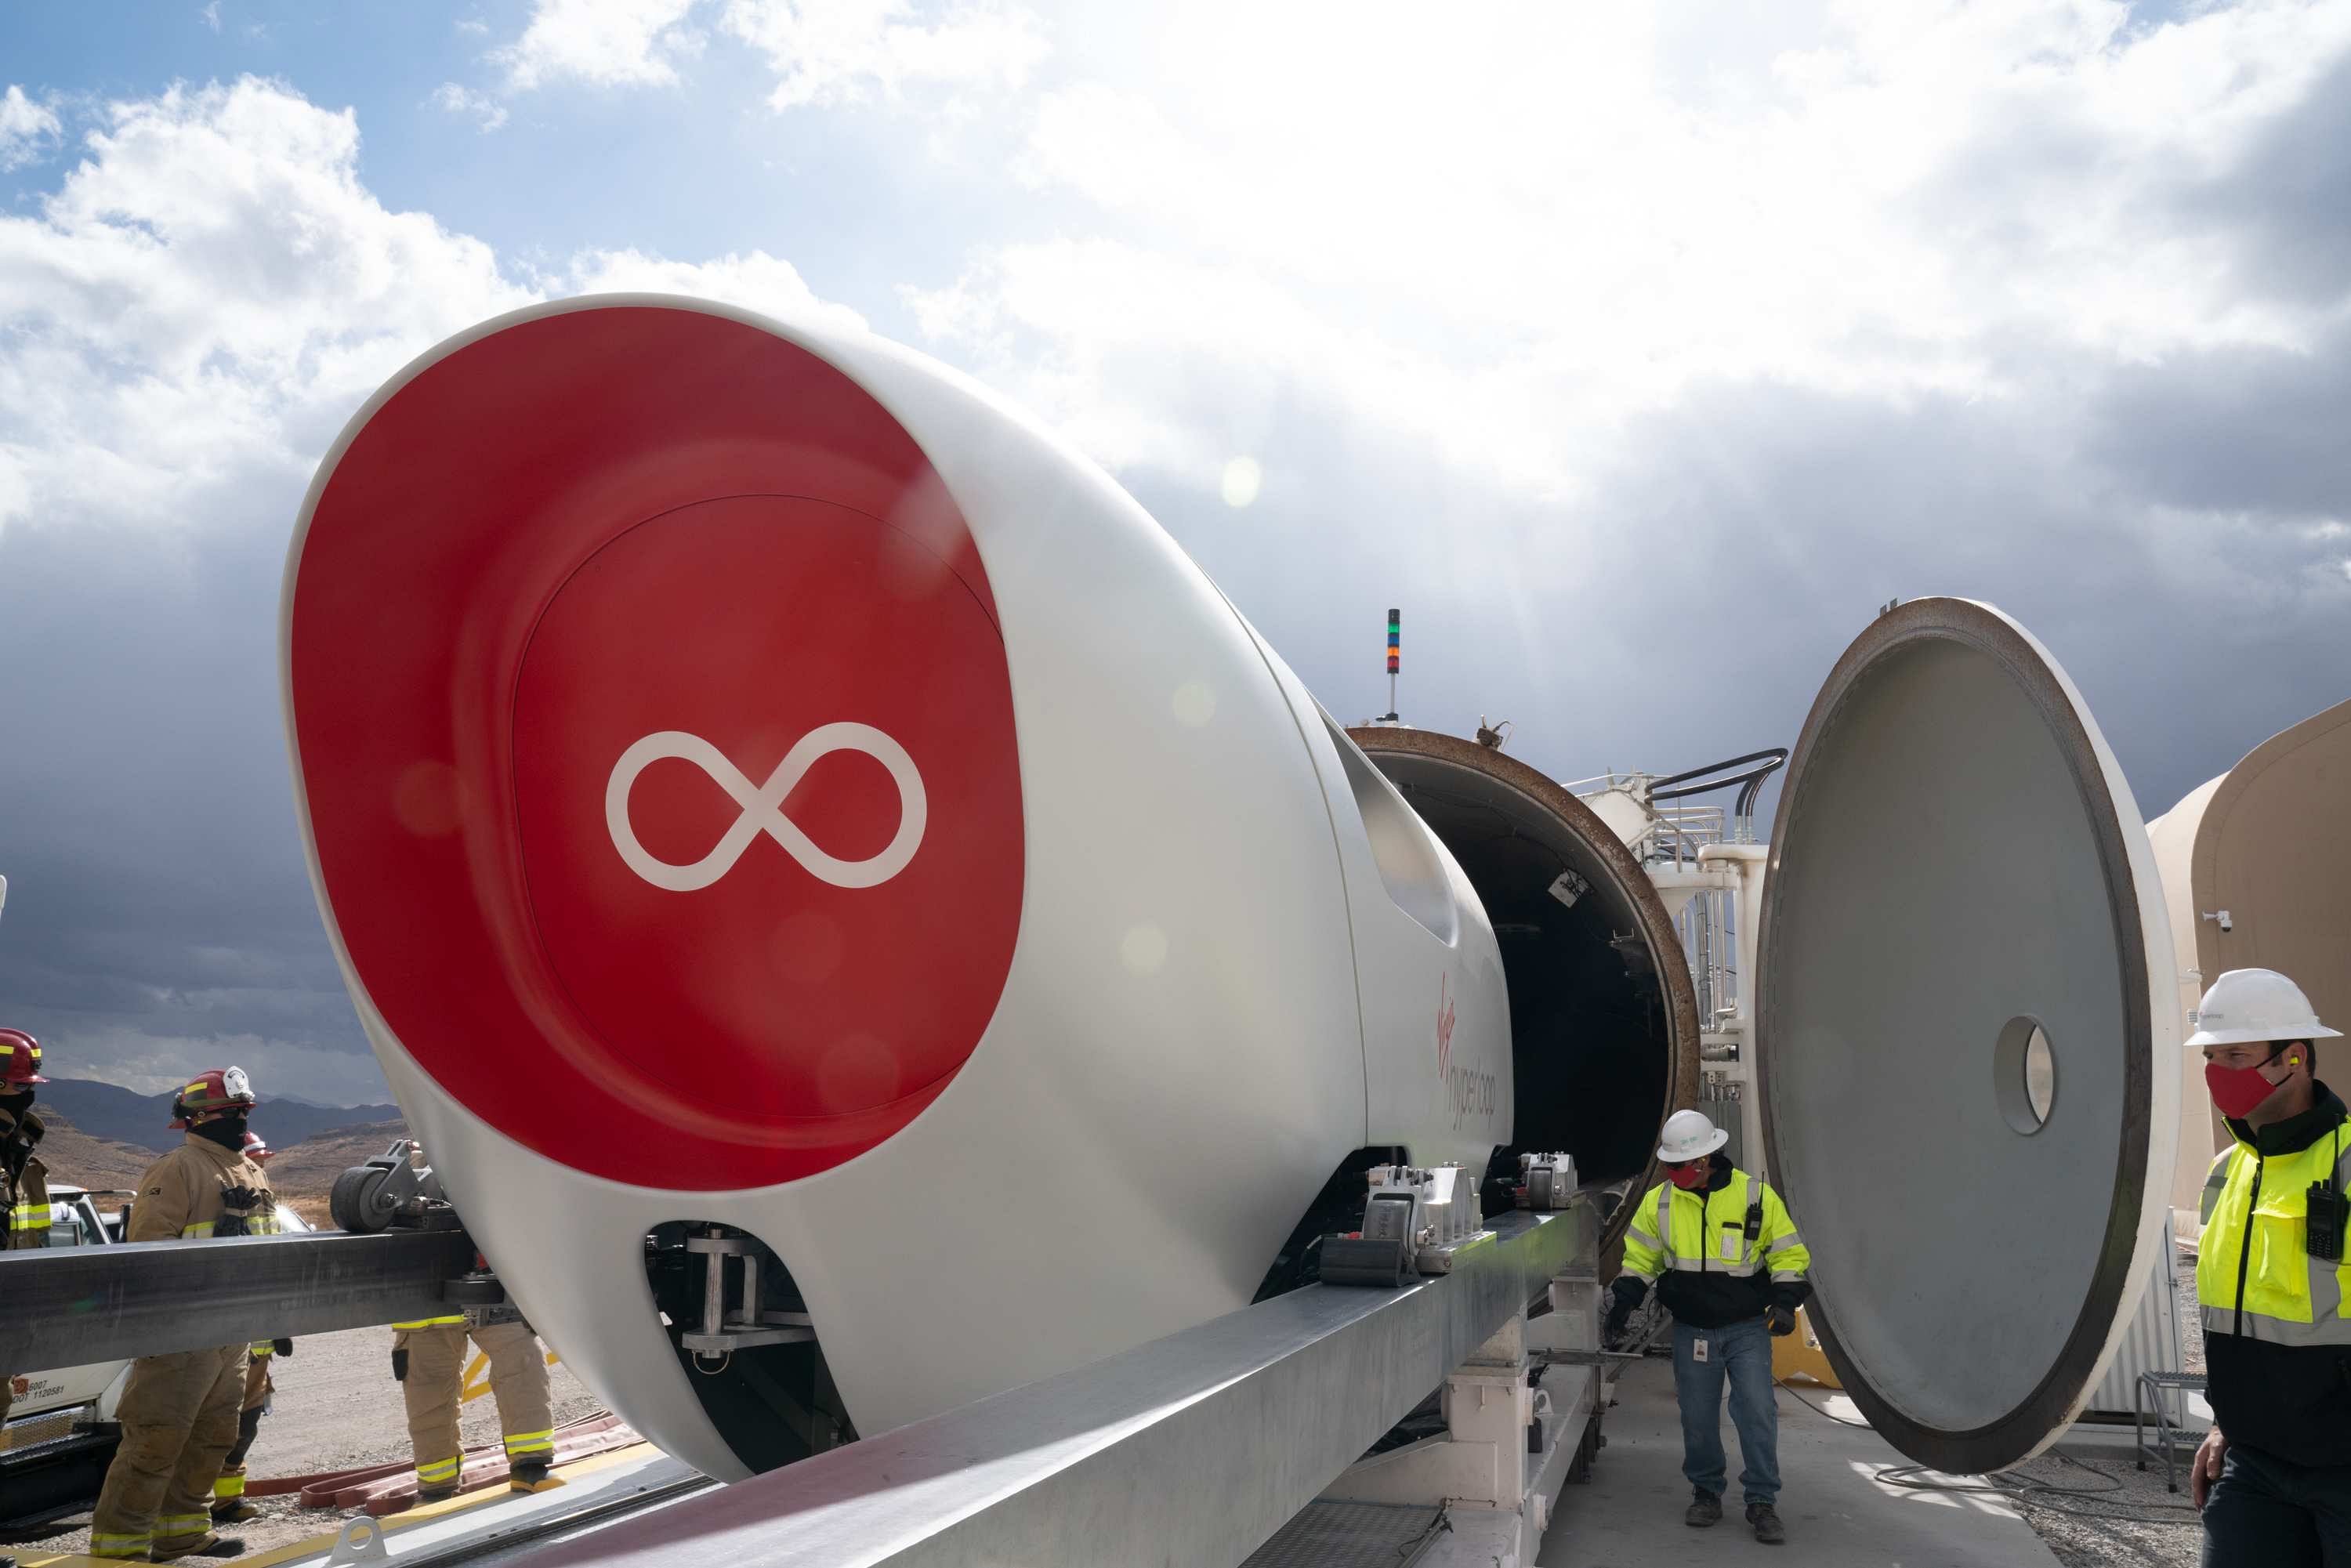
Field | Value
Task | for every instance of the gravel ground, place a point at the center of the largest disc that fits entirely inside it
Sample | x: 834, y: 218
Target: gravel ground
x: 336, y: 1407
x: 2154, y: 1533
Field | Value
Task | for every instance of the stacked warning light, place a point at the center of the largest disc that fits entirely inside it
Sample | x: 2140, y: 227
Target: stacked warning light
x: 1396, y: 623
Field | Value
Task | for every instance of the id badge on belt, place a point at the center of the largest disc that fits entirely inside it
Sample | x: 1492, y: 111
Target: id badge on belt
x: 1698, y: 1350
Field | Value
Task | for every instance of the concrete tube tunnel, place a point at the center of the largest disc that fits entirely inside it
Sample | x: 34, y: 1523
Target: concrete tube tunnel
x: 1604, y: 1022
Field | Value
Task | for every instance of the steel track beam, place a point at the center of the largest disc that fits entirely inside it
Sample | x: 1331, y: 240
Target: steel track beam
x: 72, y: 1306
x: 1190, y: 1450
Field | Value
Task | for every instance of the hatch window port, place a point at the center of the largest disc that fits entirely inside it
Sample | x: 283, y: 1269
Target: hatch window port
x: 2024, y: 1074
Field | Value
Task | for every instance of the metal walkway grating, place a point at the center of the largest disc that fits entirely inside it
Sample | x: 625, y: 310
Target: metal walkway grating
x: 1352, y: 1535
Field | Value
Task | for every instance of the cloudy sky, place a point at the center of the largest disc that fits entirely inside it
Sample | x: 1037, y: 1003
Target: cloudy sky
x: 1638, y: 352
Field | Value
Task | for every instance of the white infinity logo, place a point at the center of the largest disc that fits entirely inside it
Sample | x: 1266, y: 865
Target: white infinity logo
x: 762, y: 807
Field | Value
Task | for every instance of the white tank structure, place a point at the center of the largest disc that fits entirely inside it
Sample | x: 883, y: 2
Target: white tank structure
x: 2258, y: 876
x: 753, y: 778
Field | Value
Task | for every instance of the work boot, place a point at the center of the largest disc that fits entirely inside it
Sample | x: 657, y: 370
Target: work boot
x: 211, y: 1545
x: 235, y: 1511
x: 435, y: 1494
x: 1767, y: 1525
x: 1705, y: 1509
x: 530, y: 1478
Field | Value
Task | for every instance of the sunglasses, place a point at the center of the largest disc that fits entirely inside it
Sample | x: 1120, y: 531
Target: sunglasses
x: 1689, y: 1165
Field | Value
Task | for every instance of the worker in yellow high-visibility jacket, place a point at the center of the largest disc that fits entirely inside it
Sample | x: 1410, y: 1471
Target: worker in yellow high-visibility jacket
x: 1728, y: 1263
x: 2273, y: 1476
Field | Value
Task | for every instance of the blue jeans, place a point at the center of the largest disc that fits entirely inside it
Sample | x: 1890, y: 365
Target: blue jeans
x: 1743, y: 1352
x: 2267, y: 1513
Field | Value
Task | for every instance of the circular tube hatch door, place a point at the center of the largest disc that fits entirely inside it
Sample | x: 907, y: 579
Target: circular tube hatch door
x: 1968, y: 1051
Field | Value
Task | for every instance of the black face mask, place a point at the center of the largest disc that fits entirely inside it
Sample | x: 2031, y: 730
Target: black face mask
x: 13, y: 1108
x: 228, y: 1132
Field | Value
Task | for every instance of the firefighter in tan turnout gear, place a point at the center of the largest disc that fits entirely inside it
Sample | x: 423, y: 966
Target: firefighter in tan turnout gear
x: 178, y: 1412
x: 23, y: 1180
x: 229, y: 1506
x: 428, y: 1358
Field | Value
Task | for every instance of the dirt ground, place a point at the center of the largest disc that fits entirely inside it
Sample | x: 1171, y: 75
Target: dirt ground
x: 336, y: 1407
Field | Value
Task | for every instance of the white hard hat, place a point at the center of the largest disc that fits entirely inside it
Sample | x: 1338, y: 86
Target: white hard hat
x: 1687, y: 1136
x: 2246, y: 1007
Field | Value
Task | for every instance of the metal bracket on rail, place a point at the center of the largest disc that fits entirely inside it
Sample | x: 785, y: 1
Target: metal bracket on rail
x: 745, y: 1325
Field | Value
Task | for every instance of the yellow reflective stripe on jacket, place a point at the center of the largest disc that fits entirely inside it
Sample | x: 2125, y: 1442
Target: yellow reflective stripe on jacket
x: 256, y: 1226
x: 261, y: 1347
x: 429, y: 1323
x: 29, y: 1216
x: 1706, y: 1233
x: 530, y: 1443
x: 2254, y: 1277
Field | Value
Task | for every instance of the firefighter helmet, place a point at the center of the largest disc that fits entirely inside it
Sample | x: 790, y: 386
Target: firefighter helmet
x: 20, y: 1061
x: 255, y: 1150
x: 215, y: 1088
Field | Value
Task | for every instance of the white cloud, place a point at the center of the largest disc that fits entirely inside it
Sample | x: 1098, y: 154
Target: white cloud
x: 832, y: 51
x: 211, y: 15
x: 29, y: 132
x: 153, y: 1062
x: 757, y: 282
x: 606, y: 43
x: 210, y: 287
x: 472, y: 25
x: 821, y: 51
x: 486, y: 112
x: 1510, y: 234
x: 211, y: 293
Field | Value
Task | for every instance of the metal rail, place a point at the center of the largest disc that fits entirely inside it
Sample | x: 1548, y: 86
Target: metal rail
x: 1192, y: 1449
x: 510, y: 1542
x: 69, y: 1306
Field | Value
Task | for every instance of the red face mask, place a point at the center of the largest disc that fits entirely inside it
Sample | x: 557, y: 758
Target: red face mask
x: 1690, y: 1177
x: 2238, y: 1091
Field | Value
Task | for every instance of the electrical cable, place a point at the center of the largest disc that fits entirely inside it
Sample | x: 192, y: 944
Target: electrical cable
x: 2016, y: 1489
x: 1411, y: 1550
x: 1818, y: 1410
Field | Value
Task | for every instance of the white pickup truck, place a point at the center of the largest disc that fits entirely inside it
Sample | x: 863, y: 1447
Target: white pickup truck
x: 60, y: 1434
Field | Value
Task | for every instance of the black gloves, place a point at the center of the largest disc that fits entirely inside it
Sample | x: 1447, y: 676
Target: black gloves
x: 399, y: 1365
x: 1626, y: 1295
x: 1781, y: 1319
x: 283, y: 1346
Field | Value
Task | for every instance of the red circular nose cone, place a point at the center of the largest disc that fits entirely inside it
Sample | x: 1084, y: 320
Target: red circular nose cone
x: 656, y: 734
x: 765, y: 798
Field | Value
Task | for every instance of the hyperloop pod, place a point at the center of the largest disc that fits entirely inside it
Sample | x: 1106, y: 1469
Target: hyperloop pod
x: 753, y: 778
